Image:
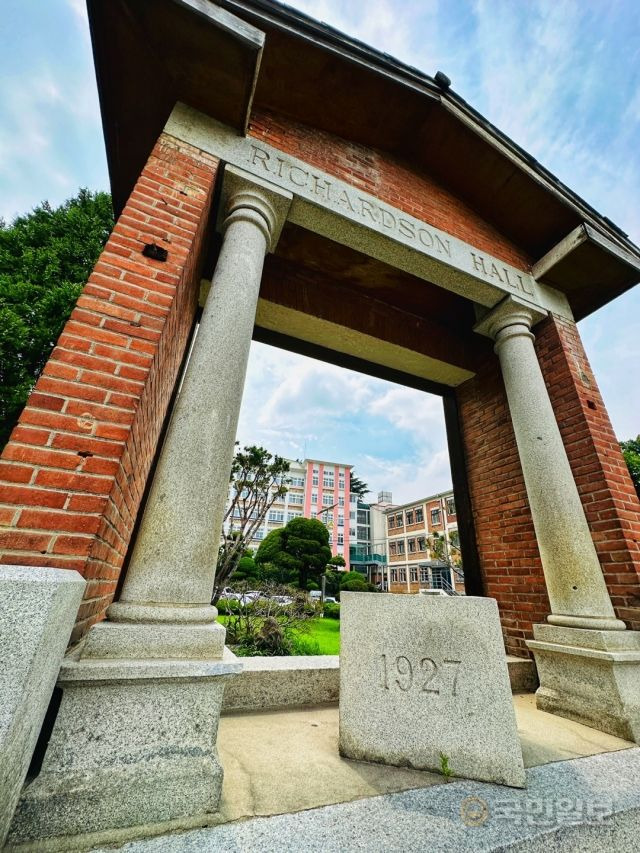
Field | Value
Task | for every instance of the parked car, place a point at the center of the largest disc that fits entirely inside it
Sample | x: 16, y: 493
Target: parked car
x: 315, y: 595
x: 330, y: 598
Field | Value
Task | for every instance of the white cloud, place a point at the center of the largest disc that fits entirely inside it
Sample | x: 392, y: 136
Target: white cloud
x: 404, y: 30
x: 299, y: 407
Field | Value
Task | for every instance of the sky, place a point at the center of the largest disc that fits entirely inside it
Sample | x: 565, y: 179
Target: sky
x: 561, y: 78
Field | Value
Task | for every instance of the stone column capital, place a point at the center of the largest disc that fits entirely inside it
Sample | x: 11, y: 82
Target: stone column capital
x: 512, y: 316
x: 247, y: 198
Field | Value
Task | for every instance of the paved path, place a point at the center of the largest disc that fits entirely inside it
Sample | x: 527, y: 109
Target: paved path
x: 586, y: 804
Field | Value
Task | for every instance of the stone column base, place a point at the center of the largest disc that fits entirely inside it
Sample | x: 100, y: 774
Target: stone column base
x: 133, y: 745
x: 590, y: 676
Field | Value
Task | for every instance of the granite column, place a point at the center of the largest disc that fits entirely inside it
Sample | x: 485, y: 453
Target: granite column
x: 588, y: 663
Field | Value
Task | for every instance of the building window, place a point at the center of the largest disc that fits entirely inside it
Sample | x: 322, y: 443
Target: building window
x: 314, y: 497
x: 400, y: 547
x: 424, y: 574
x: 399, y: 520
x: 296, y: 481
x: 419, y: 515
x: 327, y: 482
x: 409, y: 515
x: 259, y: 534
x: 340, y: 538
x: 314, y: 514
x: 422, y: 543
x: 315, y: 480
x: 291, y: 515
x: 414, y: 574
x: 402, y: 575
x: 341, y: 521
x: 352, y: 531
x: 296, y: 499
x: 392, y: 548
x: 394, y: 576
x: 341, y: 501
x: 451, y: 506
x: 412, y: 546
x: 276, y: 515
x: 391, y: 522
x: 327, y: 500
x: 435, y: 516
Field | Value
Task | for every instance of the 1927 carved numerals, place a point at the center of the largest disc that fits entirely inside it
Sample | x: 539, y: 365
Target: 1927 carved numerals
x: 426, y: 675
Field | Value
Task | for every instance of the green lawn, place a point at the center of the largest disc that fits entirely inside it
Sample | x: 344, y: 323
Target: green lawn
x: 319, y: 637
x: 322, y: 638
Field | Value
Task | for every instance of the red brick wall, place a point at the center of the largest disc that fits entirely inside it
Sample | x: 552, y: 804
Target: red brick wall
x: 507, y: 548
x: 608, y: 496
x: 506, y: 540
x: 509, y: 558
x: 389, y: 179
x: 73, y: 473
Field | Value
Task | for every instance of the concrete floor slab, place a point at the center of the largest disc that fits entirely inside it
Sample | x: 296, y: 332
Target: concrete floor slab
x: 287, y: 761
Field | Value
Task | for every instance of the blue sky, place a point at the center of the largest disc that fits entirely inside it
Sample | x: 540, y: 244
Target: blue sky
x: 561, y: 78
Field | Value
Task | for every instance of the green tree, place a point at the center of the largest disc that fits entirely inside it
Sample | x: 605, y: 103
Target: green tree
x: 258, y: 480
x: 631, y: 452
x: 246, y: 569
x: 302, y: 545
x: 332, y: 582
x: 46, y: 257
x: 357, y: 486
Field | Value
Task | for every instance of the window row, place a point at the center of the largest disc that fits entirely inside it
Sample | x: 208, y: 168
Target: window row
x: 400, y: 575
x: 416, y: 516
x: 413, y: 545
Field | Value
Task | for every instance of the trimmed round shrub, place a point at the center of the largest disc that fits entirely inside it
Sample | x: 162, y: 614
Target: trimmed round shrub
x: 355, y: 585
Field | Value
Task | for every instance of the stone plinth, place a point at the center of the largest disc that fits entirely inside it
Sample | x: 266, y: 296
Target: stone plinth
x: 423, y: 677
x: 592, y: 677
x: 37, y: 611
x: 134, y: 745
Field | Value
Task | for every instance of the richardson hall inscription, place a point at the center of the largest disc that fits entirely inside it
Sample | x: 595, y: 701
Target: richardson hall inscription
x: 370, y: 212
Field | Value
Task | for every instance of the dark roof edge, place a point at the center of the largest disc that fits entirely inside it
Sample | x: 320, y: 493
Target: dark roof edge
x: 286, y: 17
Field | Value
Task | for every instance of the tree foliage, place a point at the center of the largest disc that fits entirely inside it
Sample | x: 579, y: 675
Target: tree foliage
x: 357, y: 486
x: 46, y: 257
x: 302, y: 545
x: 631, y: 452
x: 258, y: 480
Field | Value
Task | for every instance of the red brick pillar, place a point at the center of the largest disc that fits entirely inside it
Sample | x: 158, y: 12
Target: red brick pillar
x: 608, y: 496
x: 507, y: 548
x: 74, y: 471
